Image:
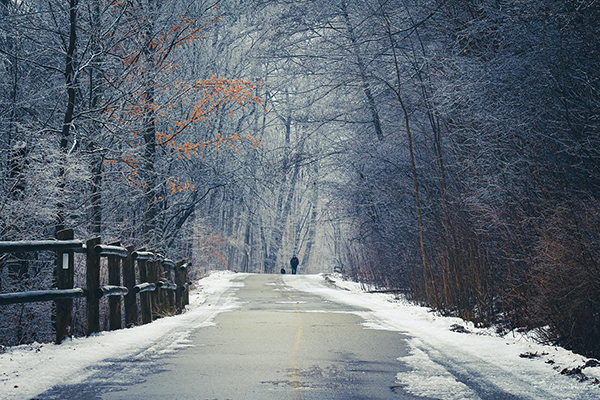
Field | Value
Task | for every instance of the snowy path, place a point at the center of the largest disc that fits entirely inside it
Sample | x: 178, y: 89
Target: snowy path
x: 273, y: 337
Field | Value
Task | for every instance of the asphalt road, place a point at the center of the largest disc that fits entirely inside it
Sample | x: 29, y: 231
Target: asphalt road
x: 278, y: 344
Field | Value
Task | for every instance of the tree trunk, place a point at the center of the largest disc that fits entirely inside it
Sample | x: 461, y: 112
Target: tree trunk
x: 427, y: 279
x: 68, y: 118
x: 96, y: 89
x: 312, y: 227
x: 363, y: 72
x: 149, y: 157
x: 280, y: 222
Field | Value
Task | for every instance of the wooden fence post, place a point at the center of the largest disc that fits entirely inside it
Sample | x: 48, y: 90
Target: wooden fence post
x: 92, y: 266
x: 169, y: 294
x: 186, y: 279
x: 163, y: 294
x: 114, y: 279
x: 155, y: 296
x: 131, y: 313
x: 65, y: 273
x: 145, y: 297
x: 179, y: 282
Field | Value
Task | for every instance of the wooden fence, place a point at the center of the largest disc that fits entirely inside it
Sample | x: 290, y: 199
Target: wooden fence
x: 161, y: 283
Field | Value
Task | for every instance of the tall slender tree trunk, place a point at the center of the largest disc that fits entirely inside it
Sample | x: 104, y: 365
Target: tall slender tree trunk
x: 18, y: 148
x: 233, y: 225
x: 265, y: 246
x: 251, y: 239
x: 69, y: 111
x: 280, y: 222
x: 247, y: 244
x: 362, y: 71
x: 337, y: 243
x: 149, y: 156
x: 276, y: 233
x: 96, y: 90
x: 427, y: 278
x: 312, y: 224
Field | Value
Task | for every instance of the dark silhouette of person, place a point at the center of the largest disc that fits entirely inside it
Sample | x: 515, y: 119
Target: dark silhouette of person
x: 294, y: 263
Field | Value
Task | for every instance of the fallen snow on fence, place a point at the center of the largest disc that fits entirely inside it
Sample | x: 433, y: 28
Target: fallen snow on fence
x: 28, y: 370
x: 452, y: 359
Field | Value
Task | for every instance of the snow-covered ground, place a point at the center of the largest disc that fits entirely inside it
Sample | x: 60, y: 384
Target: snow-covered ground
x: 441, y: 359
x: 28, y: 370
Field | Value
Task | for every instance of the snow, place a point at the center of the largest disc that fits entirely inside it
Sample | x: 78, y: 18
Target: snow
x: 28, y: 370
x: 430, y: 379
x: 441, y: 361
x: 441, y: 364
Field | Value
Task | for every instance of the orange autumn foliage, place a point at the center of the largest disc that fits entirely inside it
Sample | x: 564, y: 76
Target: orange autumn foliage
x: 176, y: 105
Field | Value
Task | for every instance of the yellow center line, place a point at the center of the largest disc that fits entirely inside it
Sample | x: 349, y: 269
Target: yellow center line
x: 295, y: 371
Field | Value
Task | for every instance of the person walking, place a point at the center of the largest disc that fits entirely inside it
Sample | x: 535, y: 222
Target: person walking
x: 294, y: 263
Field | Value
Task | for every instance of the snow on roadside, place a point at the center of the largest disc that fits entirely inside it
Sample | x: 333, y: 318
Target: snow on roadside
x: 28, y: 370
x: 442, y: 360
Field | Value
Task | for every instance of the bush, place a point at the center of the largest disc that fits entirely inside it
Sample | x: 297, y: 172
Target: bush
x: 567, y: 278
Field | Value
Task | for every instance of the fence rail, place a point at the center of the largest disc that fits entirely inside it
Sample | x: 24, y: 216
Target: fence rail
x: 167, y: 285
x: 40, y: 245
x: 160, y: 282
x: 145, y: 287
x: 142, y: 255
x: 108, y: 290
x: 40, y: 295
x: 108, y: 250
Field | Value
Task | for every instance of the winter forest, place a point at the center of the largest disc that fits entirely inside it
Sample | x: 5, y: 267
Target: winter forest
x: 446, y: 148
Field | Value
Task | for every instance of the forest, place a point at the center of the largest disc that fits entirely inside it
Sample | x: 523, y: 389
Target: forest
x: 449, y: 149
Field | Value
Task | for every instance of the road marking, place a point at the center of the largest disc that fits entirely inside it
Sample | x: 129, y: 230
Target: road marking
x: 296, y: 382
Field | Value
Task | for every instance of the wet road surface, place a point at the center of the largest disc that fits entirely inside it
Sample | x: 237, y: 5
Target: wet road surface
x: 278, y: 344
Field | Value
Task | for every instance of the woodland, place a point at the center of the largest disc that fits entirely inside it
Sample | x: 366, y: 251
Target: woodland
x: 448, y: 149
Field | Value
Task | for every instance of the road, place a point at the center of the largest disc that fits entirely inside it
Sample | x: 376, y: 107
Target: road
x: 294, y: 337
x: 278, y: 344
